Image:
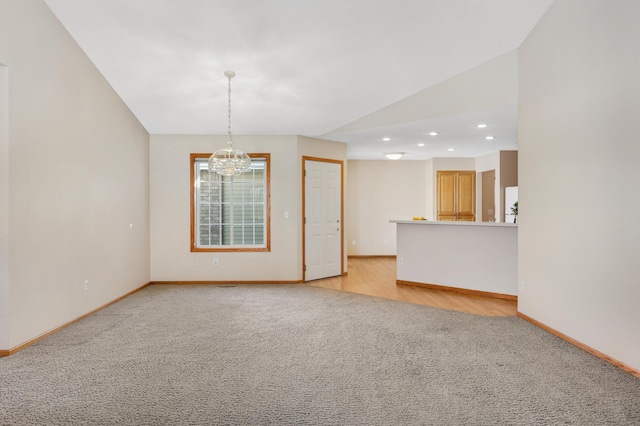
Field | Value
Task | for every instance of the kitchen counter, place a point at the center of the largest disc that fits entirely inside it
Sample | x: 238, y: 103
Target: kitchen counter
x: 444, y: 223
x: 478, y: 257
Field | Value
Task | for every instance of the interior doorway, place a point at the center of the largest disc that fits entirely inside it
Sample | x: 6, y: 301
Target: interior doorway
x: 323, y: 218
x: 489, y: 196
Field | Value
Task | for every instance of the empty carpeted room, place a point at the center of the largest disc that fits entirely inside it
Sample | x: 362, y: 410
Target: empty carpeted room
x: 147, y: 279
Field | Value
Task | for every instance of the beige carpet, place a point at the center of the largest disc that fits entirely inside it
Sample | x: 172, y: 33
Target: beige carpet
x: 299, y: 355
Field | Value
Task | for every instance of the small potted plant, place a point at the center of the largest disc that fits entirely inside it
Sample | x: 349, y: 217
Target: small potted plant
x: 514, y: 211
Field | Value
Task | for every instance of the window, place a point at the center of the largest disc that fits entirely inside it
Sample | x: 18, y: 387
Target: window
x: 230, y: 213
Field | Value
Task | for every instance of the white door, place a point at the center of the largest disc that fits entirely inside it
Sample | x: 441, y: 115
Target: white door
x: 323, y: 214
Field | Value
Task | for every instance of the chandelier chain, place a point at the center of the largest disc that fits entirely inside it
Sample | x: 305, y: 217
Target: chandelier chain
x: 229, y: 161
x: 229, y: 93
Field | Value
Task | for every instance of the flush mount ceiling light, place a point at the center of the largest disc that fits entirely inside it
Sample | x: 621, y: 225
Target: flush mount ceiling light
x: 386, y: 139
x: 489, y: 138
x: 433, y: 133
x: 451, y: 149
x: 393, y: 155
x: 229, y: 161
x: 481, y: 126
x: 420, y: 144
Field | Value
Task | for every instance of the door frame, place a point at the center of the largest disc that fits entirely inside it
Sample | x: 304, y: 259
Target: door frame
x: 487, y: 193
x: 304, y: 213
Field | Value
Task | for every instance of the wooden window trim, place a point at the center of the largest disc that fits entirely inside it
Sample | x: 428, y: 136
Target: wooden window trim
x: 192, y: 159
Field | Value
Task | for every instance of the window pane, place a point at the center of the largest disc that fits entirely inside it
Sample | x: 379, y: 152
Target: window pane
x: 204, y: 235
x: 215, y: 235
x: 260, y: 213
x: 226, y: 195
x: 226, y: 213
x: 238, y: 217
x: 204, y: 213
x: 238, y: 237
x: 215, y: 215
x: 248, y: 213
x: 259, y: 234
x: 248, y: 235
x: 226, y: 235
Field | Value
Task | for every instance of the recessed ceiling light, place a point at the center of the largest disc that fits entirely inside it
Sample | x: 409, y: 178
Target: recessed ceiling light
x: 433, y: 133
x: 481, y: 126
x: 386, y: 139
x: 451, y: 149
x: 420, y: 144
x: 489, y: 138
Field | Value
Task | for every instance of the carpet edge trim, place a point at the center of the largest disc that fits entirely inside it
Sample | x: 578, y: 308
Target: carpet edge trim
x: 458, y: 290
x: 225, y: 282
x: 7, y: 352
x: 372, y: 256
x: 619, y: 364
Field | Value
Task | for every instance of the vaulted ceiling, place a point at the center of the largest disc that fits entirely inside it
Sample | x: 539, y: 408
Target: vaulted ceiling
x: 334, y: 69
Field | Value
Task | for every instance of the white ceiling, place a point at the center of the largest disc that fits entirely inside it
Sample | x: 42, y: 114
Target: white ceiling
x: 304, y: 67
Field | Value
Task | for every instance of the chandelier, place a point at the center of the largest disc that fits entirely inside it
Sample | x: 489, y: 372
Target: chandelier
x: 229, y: 161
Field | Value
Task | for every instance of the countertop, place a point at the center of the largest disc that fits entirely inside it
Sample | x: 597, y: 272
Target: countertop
x: 449, y: 223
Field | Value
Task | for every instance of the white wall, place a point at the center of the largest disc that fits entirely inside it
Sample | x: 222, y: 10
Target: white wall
x: 489, y: 85
x: 579, y: 237
x: 379, y: 191
x: 171, y: 258
x: 430, y: 191
x: 78, y: 177
x: 4, y: 207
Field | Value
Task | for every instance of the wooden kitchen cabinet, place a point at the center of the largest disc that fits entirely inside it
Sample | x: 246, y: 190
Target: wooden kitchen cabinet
x: 456, y: 195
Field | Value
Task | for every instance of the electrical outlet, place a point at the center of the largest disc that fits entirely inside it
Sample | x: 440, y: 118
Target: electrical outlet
x: 386, y: 242
x: 215, y: 261
x: 522, y: 286
x: 400, y: 261
x: 353, y: 242
x: 86, y: 285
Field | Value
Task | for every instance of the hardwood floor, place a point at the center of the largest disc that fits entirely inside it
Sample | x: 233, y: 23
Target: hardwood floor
x: 376, y: 276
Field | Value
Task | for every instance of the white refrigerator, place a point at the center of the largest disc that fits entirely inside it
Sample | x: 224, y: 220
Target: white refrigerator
x: 510, y: 197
